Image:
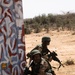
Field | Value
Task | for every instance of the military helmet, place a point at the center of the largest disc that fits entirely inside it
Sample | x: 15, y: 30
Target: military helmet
x: 44, y: 39
x: 34, y: 52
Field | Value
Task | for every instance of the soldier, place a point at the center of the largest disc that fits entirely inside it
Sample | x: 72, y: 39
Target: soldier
x: 43, y: 47
x: 39, y: 66
x: 45, y: 52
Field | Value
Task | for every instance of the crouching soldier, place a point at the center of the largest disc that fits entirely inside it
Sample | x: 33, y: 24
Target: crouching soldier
x: 39, y: 65
x: 42, y: 47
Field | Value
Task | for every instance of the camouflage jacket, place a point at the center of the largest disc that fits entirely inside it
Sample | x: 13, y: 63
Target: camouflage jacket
x: 41, y: 69
x: 43, y: 50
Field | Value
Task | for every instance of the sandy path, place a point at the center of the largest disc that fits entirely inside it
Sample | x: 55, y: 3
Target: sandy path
x: 62, y: 42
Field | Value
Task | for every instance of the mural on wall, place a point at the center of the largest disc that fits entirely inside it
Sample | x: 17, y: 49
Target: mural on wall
x: 12, y: 41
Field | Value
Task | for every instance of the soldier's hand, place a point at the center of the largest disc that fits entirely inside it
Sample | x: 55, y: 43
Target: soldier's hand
x: 28, y: 55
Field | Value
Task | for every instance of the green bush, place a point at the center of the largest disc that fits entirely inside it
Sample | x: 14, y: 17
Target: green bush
x: 28, y: 31
x: 54, y: 22
x: 69, y: 62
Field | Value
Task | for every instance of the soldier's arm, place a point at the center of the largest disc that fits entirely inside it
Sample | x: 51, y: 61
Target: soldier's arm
x: 29, y: 53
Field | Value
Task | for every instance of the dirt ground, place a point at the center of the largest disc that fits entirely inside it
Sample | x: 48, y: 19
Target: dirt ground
x: 62, y: 42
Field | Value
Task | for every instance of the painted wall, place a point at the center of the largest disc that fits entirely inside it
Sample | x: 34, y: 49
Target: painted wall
x: 12, y: 41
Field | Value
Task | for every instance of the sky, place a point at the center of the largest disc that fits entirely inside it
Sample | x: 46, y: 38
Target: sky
x: 32, y: 8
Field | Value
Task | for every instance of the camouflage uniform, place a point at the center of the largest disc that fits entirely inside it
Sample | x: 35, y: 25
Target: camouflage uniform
x: 43, y: 49
x: 41, y: 68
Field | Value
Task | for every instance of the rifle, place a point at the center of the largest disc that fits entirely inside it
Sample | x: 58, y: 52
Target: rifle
x: 54, y: 57
x: 26, y: 70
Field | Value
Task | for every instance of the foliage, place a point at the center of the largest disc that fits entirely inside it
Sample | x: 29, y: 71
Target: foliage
x: 69, y: 62
x: 54, y: 22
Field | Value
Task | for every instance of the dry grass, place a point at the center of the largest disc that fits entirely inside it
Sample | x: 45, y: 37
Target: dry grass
x: 69, y: 62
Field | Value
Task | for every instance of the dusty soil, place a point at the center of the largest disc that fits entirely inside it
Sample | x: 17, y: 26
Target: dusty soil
x: 62, y: 42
